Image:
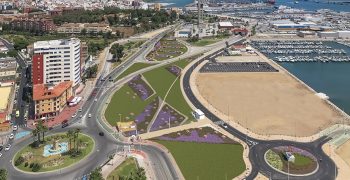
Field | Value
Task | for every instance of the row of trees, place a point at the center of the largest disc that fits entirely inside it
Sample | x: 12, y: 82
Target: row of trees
x: 3, y: 174
x: 73, y: 136
x: 39, y: 133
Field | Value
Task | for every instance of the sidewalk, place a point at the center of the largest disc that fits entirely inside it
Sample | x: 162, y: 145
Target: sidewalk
x: 114, y: 163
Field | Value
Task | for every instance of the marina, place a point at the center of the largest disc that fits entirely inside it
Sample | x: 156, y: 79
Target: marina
x: 303, y: 51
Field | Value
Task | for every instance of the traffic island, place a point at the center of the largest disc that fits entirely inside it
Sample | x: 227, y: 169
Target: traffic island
x: 55, y: 152
x: 291, y: 160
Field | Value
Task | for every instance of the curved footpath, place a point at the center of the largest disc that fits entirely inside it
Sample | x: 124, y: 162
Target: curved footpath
x: 327, y: 169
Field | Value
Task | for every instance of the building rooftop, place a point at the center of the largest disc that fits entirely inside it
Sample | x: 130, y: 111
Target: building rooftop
x: 42, y: 91
x: 4, y: 97
x: 56, y: 42
x: 225, y: 24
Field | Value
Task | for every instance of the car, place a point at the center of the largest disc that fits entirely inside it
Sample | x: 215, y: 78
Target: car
x: 0, y: 154
x: 224, y: 125
x: 15, y: 128
x: 103, y: 79
x: 89, y: 115
x: 101, y: 133
x: 11, y: 136
x: 1, y: 147
x: 80, y: 109
x: 65, y: 125
x: 80, y: 116
x: 95, y: 99
x: 8, y: 147
x: 74, y: 115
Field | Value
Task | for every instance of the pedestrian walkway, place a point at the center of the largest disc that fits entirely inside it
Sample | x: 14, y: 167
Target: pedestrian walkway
x: 114, y: 163
x: 66, y: 114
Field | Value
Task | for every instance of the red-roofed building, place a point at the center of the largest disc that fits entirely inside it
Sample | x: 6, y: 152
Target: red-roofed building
x: 50, y: 100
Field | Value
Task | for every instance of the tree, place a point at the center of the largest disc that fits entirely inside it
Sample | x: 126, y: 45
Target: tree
x: 20, y: 43
x: 76, y: 136
x: 36, y: 133
x: 3, y: 174
x: 83, y: 32
x: 96, y: 174
x: 70, y: 134
x: 117, y: 50
x: 44, y: 129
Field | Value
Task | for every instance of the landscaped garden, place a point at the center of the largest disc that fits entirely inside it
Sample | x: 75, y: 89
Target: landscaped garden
x: 135, y: 67
x: 166, y: 48
x: 127, y: 170
x: 54, y: 152
x: 141, y: 97
x: 300, y: 161
x: 204, y: 153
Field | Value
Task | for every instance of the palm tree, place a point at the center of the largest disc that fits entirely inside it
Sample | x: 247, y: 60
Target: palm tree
x: 35, y: 134
x: 70, y: 134
x: 76, y: 135
x: 43, y: 130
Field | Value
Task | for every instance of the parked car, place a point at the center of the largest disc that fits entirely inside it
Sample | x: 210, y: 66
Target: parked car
x: 80, y: 109
x: 1, y: 147
x: 11, y: 136
x: 8, y: 147
x: 89, y: 115
x: 0, y: 154
x: 74, y: 115
x: 15, y: 128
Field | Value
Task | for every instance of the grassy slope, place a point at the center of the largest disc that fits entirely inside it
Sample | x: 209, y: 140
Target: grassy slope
x: 123, y: 169
x: 135, y: 67
x: 124, y: 104
x: 207, y: 161
x: 161, y: 80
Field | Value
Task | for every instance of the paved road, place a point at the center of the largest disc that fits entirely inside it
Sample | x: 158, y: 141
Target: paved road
x: 327, y: 168
x: 105, y: 145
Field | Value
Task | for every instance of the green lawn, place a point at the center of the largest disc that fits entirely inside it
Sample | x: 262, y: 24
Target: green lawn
x: 37, y: 154
x: 302, y: 160
x: 135, y: 67
x: 208, y: 41
x: 206, y: 161
x: 124, y: 169
x: 127, y: 103
x: 168, y: 46
x: 161, y: 80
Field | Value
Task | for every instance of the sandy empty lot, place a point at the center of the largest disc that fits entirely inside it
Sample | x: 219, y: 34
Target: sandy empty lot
x: 344, y: 152
x: 267, y: 103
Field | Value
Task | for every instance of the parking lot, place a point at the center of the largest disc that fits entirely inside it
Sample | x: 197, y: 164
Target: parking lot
x: 237, y: 67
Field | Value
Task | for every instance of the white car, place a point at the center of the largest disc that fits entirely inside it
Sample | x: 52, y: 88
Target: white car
x: 89, y: 115
x: 0, y: 154
x: 80, y: 109
x: 8, y: 147
x: 11, y: 136
x: 81, y: 116
x: 95, y: 99
x: 15, y: 128
x: 74, y: 115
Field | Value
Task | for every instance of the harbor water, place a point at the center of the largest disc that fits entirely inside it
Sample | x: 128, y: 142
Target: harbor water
x: 331, y: 78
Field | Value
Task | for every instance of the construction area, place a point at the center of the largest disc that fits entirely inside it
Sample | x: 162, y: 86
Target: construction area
x: 267, y: 103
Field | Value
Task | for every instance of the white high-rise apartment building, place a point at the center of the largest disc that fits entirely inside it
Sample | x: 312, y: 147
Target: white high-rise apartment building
x: 56, y: 61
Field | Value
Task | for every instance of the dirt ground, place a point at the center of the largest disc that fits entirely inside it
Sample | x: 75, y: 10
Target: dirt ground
x: 344, y: 152
x: 267, y: 103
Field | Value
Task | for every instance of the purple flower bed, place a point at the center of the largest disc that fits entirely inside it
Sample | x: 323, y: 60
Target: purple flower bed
x: 174, y: 70
x: 201, y: 135
x: 140, y: 87
x: 165, y: 115
x: 296, y: 150
x: 143, y: 119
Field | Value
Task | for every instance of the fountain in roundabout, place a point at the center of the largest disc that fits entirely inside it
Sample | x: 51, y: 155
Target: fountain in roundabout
x: 55, y: 148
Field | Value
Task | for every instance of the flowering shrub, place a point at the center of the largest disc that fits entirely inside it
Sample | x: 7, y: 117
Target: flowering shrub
x: 140, y: 87
x: 201, y: 135
x: 167, y: 115
x: 174, y: 70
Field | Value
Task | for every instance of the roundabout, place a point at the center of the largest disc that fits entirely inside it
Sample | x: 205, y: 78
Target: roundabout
x: 58, y: 151
x: 291, y: 161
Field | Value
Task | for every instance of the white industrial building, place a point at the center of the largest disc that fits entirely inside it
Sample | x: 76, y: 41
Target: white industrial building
x: 56, y: 61
x: 344, y: 34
